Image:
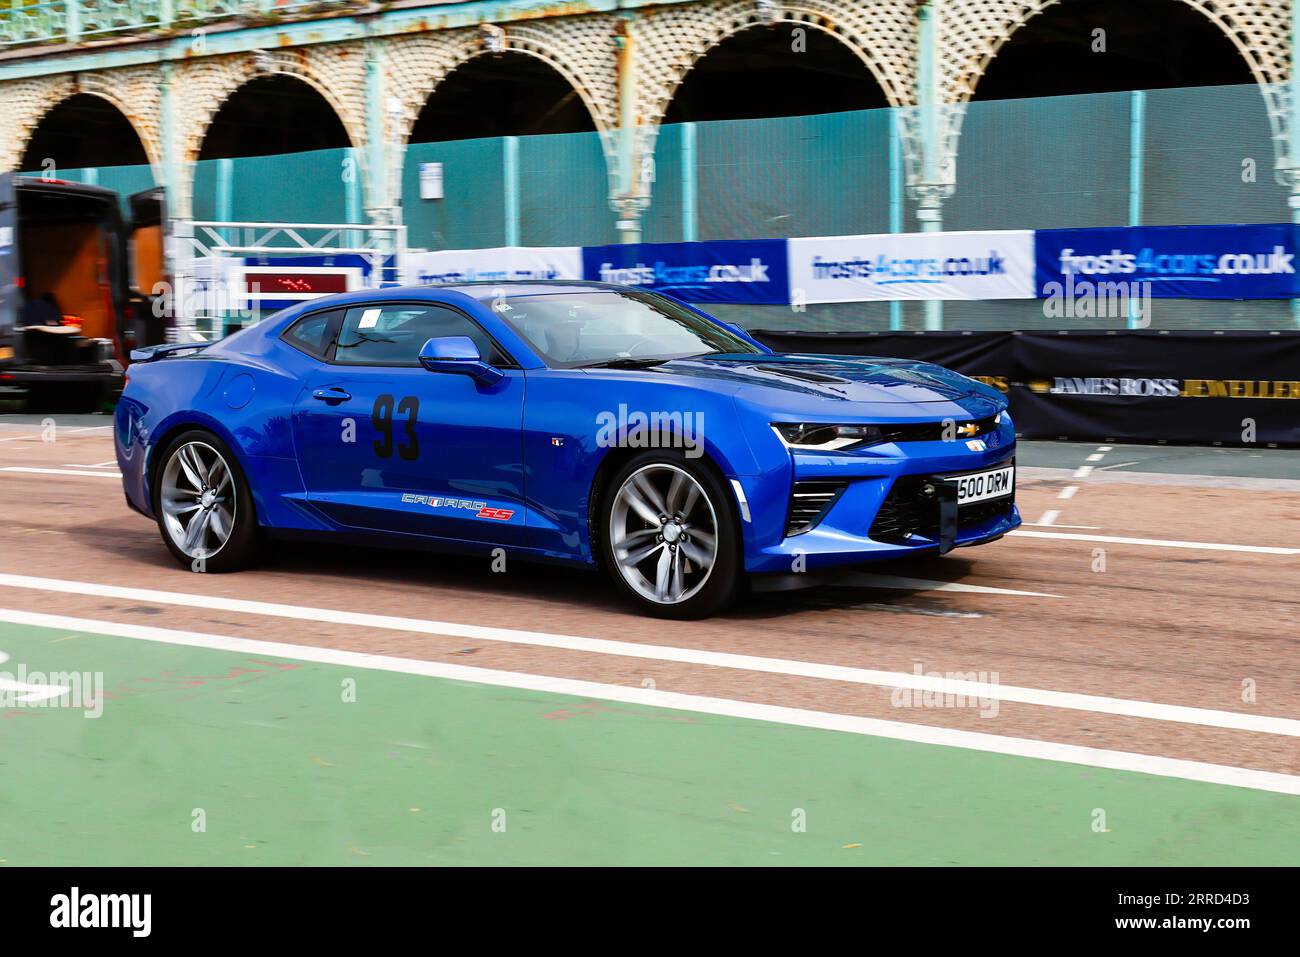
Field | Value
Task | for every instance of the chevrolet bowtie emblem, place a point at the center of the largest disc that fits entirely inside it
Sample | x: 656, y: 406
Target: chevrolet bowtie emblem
x: 968, y: 429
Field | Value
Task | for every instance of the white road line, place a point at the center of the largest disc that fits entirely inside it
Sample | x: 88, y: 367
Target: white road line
x: 1049, y: 517
x: 1104, y: 448
x: 718, y: 659
x: 1095, y: 457
x: 699, y: 704
x: 871, y: 580
x: 1062, y: 525
x: 93, y: 465
x: 1083, y: 471
x: 1163, y: 543
x: 19, y: 438
x: 82, y: 472
x: 1068, y: 492
x: 1115, y: 465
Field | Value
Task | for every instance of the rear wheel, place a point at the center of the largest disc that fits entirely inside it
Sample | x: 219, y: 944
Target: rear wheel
x: 204, y: 507
x: 669, y: 535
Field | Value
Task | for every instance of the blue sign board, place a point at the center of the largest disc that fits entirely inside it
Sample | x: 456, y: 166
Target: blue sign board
x: 1171, y: 262
x: 745, y: 271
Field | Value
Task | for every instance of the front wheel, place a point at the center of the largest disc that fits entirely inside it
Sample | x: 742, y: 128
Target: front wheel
x: 204, y: 507
x: 669, y: 537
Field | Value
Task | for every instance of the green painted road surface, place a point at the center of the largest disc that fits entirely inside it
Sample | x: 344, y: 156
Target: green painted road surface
x: 425, y: 771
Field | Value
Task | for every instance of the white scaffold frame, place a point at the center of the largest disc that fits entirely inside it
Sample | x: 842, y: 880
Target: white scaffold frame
x: 203, y: 258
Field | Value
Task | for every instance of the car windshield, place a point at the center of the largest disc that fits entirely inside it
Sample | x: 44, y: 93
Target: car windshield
x: 613, y: 327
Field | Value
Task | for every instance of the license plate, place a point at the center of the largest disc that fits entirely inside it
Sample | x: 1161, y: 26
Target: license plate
x: 981, y: 486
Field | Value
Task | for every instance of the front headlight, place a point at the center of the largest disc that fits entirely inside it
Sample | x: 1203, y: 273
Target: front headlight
x: 818, y: 437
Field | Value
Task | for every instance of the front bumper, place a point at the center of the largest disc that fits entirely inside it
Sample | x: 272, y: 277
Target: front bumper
x: 894, y: 502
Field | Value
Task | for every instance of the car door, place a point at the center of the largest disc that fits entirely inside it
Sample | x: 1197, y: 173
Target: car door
x: 385, y: 445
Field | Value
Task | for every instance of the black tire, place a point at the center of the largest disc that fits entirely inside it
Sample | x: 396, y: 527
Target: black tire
x: 724, y: 577
x: 240, y: 549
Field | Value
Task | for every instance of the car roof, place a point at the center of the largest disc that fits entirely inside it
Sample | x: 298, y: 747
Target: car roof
x: 527, y: 287
x: 481, y: 291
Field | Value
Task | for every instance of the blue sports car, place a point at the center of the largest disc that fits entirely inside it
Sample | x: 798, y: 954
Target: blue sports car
x: 573, y: 422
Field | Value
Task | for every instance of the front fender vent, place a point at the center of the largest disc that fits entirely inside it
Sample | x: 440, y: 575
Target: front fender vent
x: 809, y: 503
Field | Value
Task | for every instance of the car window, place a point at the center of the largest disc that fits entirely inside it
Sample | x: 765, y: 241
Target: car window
x: 392, y: 335
x: 573, y: 329
x: 313, y: 334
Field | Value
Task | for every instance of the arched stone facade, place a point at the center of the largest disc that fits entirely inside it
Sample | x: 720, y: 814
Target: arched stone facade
x: 659, y: 47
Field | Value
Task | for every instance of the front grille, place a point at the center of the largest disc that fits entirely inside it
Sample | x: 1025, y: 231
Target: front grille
x: 809, y: 501
x: 909, y: 512
x: 934, y: 431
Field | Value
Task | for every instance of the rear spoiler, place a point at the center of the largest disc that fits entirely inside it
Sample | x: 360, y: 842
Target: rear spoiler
x: 172, y: 350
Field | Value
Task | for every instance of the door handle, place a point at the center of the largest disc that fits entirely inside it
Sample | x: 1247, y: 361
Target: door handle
x: 333, y: 395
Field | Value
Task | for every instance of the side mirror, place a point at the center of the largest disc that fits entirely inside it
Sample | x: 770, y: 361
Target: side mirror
x: 458, y: 354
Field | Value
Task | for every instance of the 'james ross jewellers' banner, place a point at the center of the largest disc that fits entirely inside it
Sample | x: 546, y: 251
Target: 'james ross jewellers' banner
x: 1237, y: 388
x: 1172, y: 262
x: 997, y: 264
x: 747, y: 271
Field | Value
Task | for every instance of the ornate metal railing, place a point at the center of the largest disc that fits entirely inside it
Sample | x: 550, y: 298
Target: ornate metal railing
x: 30, y: 22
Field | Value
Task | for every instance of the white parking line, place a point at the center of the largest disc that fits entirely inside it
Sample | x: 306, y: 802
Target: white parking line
x: 717, y: 659
x: 871, y: 580
x: 1083, y: 471
x: 699, y: 704
x: 1068, y: 492
x: 1061, y: 525
x: 82, y: 472
x: 1163, y: 543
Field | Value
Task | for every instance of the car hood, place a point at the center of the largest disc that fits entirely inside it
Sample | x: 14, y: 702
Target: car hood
x: 863, y: 379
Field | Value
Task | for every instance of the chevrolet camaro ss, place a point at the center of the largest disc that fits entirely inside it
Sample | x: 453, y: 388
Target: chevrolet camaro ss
x: 573, y: 422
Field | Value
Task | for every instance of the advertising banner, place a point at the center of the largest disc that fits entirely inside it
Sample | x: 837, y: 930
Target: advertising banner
x: 748, y: 271
x: 996, y: 264
x: 1234, y: 388
x: 495, y: 265
x: 1170, y: 262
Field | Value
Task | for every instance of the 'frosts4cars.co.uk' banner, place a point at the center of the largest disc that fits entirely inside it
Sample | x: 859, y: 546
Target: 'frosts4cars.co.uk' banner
x: 995, y: 264
x: 495, y: 265
x: 1171, y: 262
x: 747, y: 271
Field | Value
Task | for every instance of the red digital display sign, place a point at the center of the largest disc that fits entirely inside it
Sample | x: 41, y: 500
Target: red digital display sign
x: 296, y: 283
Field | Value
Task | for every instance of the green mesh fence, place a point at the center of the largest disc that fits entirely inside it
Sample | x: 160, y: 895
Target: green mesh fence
x: 663, y: 222
x: 1209, y: 159
x: 1039, y: 163
x: 563, y: 191
x: 794, y: 176
x: 472, y: 213
x: 322, y: 186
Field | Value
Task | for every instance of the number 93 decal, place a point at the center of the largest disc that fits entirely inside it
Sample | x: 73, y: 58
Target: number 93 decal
x: 381, y: 416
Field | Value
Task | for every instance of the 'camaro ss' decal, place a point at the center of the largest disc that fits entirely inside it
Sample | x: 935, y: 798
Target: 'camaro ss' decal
x: 481, y: 509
